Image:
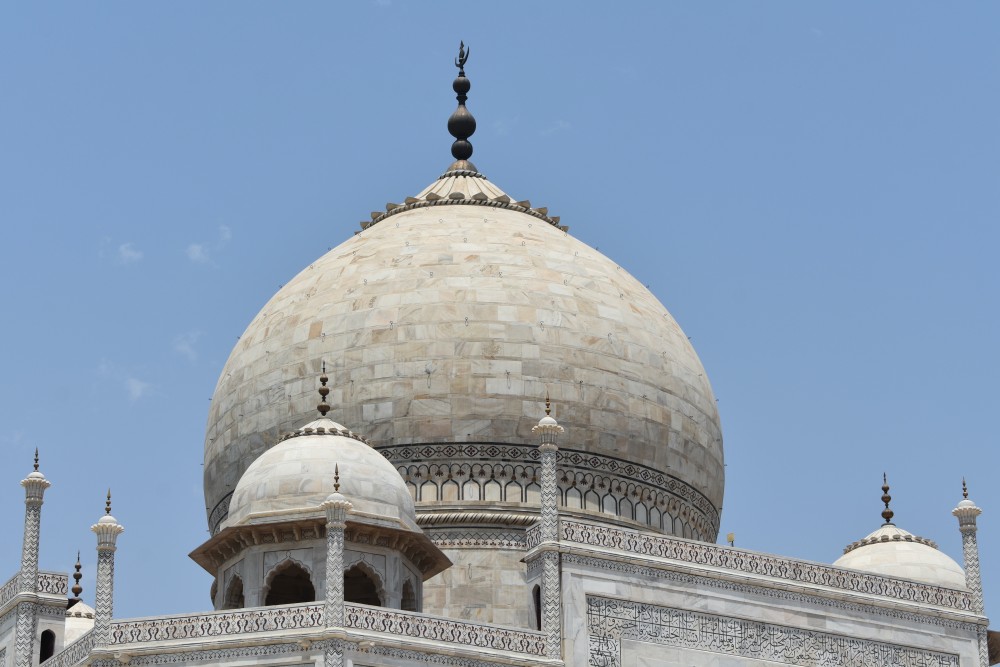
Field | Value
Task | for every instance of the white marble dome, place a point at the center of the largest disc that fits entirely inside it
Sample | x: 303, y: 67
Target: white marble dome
x: 446, y: 322
x: 894, y: 552
x: 292, y: 479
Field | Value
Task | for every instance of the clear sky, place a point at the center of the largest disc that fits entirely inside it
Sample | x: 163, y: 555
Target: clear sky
x: 810, y: 188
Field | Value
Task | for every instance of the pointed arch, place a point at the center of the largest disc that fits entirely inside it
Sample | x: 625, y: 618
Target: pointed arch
x: 47, y: 645
x: 409, y: 599
x: 363, y: 585
x: 234, y: 594
x: 289, y: 582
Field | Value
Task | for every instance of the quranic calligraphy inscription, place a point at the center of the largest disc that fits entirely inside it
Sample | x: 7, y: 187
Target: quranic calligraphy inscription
x: 611, y: 621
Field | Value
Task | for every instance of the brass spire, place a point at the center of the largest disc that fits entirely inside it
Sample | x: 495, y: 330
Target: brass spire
x: 886, y: 513
x: 548, y: 405
x: 461, y: 124
x: 77, y: 576
x: 324, y: 391
x: 965, y: 490
x: 336, y: 477
x: 36, y: 459
x: 107, y: 503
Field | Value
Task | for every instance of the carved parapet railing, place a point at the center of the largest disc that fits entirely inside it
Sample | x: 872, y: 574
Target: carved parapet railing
x: 422, y: 626
x: 8, y: 590
x: 751, y: 562
x: 217, y: 624
x: 49, y: 583
x: 533, y: 537
x: 73, y: 654
x: 53, y: 583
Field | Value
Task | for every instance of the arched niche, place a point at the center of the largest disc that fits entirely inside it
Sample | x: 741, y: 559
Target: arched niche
x: 46, y: 645
x: 408, y: 601
x: 289, y: 583
x: 234, y: 594
x: 362, y: 585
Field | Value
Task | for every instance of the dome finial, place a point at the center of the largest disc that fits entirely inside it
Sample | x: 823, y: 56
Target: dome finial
x: 887, y: 513
x: 324, y: 391
x: 965, y: 490
x: 36, y: 459
x: 336, y: 477
x: 548, y: 404
x: 77, y: 576
x: 461, y: 124
x: 107, y: 504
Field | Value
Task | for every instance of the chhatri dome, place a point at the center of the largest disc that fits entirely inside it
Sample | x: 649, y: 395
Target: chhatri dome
x: 443, y: 322
x: 894, y: 552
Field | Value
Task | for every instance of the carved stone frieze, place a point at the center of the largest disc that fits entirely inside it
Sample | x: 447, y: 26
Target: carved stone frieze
x: 631, y: 570
x: 610, y: 621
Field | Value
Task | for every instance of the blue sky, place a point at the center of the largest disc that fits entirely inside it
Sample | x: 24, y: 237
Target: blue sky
x: 810, y: 189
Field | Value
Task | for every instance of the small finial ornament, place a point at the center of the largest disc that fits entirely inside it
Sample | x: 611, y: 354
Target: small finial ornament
x: 107, y: 504
x: 324, y: 391
x: 887, y: 513
x: 461, y: 124
x: 36, y: 459
x: 336, y: 477
x: 77, y: 576
x: 548, y: 405
x: 965, y: 490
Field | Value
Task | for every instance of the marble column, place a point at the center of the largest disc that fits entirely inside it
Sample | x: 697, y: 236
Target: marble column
x: 107, y: 530
x: 27, y: 581
x: 336, y: 507
x: 967, y: 512
x: 548, y: 431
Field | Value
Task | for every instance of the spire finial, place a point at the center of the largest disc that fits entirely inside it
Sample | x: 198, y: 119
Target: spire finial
x: 36, y: 459
x: 887, y: 513
x: 965, y: 490
x: 336, y: 477
x: 461, y: 124
x: 548, y: 404
x: 107, y: 503
x: 324, y: 391
x: 77, y: 576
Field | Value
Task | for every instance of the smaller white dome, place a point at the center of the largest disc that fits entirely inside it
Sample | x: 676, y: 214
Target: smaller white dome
x: 293, y: 478
x: 547, y: 421
x: 107, y: 518
x: 79, y: 621
x: 894, y: 552
x: 966, y: 503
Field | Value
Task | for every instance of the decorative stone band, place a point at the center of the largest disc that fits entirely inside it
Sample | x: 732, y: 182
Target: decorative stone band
x: 320, y: 430
x: 459, y: 538
x: 456, y: 197
x: 512, y: 473
x: 609, y: 621
x: 288, y: 618
x: 733, y: 560
x: 885, y: 538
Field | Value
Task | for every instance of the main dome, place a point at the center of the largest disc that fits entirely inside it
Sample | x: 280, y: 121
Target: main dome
x: 447, y: 321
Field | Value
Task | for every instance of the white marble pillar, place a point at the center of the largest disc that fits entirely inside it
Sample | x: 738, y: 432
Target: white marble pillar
x: 336, y: 507
x: 967, y: 512
x: 27, y: 581
x: 107, y: 530
x: 548, y: 431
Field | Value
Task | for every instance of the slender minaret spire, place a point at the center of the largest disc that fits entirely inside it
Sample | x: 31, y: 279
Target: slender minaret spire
x: 107, y: 530
x: 337, y: 508
x: 27, y: 620
x: 461, y: 124
x: 324, y: 391
x: 887, y: 513
x: 966, y: 513
x: 77, y: 588
x: 548, y: 431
